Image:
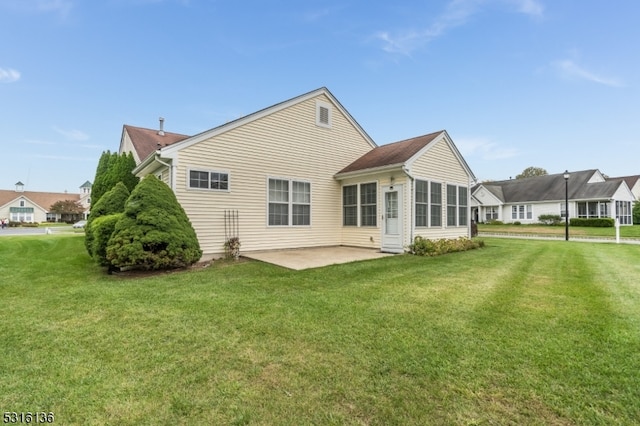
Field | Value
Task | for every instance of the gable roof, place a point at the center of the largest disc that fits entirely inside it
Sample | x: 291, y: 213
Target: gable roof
x: 631, y: 181
x: 146, y: 141
x: 552, y: 188
x: 44, y: 200
x: 265, y: 112
x: 396, y: 153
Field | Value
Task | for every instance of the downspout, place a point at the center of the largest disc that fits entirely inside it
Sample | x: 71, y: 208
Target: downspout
x: 412, y: 219
x: 171, y: 168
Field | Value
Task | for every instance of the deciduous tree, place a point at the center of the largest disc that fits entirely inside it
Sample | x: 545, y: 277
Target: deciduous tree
x: 532, y: 172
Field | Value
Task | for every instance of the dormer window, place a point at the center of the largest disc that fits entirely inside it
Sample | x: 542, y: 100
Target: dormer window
x: 323, y: 114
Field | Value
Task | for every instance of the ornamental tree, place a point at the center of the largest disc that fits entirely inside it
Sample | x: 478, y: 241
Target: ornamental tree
x: 69, y: 210
x: 154, y: 231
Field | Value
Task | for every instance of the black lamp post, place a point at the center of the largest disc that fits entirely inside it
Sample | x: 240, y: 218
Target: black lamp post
x: 566, y: 205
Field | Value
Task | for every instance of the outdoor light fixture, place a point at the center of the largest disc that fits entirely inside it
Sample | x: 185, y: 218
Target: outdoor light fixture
x: 566, y: 205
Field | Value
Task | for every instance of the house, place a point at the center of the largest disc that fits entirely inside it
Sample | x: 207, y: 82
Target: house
x: 633, y: 182
x: 590, y: 194
x: 304, y: 173
x: 33, y: 207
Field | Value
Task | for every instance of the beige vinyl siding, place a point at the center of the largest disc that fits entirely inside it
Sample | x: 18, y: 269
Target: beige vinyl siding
x: 286, y: 144
x: 440, y: 164
x: 127, y: 146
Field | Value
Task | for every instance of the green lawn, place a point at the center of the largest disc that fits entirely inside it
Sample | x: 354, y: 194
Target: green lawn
x: 520, y: 332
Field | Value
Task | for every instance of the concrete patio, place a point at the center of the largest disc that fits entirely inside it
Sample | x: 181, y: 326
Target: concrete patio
x: 315, y: 257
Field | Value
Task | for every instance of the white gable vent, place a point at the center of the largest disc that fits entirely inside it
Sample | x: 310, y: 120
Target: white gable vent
x: 323, y: 114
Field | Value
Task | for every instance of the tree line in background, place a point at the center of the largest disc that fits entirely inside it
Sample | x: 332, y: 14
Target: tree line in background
x: 136, y: 224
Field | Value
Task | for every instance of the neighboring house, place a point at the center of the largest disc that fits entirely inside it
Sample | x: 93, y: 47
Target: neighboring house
x: 303, y: 173
x: 33, y: 207
x: 633, y: 182
x: 524, y: 200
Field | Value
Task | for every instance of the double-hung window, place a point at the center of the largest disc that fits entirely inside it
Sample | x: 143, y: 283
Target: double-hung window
x: 462, y: 206
x: 428, y: 204
x: 522, y: 211
x: 206, y: 179
x: 452, y: 205
x: 368, y: 204
x: 289, y: 202
x: 436, y: 204
x: 422, y: 202
x: 350, y: 205
x: 360, y: 202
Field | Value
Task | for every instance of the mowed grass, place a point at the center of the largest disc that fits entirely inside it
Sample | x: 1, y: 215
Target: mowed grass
x: 631, y: 232
x: 520, y: 332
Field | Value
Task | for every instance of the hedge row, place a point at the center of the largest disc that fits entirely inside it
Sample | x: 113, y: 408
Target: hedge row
x: 425, y: 247
x: 595, y: 222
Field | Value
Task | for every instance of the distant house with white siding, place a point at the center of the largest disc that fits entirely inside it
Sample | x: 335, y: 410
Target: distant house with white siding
x: 590, y: 195
x: 303, y: 173
x: 33, y: 207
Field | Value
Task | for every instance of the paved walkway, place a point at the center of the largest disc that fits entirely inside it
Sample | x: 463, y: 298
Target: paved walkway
x: 315, y: 257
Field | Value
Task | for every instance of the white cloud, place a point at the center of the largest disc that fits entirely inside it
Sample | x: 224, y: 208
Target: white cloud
x: 63, y: 7
x: 74, y: 135
x: 60, y: 7
x: 529, y: 7
x: 484, y: 149
x: 9, y: 75
x: 457, y: 13
x: 570, y: 69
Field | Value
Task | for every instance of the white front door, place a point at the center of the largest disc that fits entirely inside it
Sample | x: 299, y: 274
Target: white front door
x: 392, y: 229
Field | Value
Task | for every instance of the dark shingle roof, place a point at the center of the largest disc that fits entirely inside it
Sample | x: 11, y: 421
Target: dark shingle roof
x: 390, y: 154
x: 146, y: 141
x: 630, y: 180
x: 552, y: 187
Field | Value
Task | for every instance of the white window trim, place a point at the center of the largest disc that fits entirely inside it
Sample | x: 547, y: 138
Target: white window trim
x: 443, y: 204
x: 429, y: 203
x: 195, y: 169
x: 290, y: 203
x: 319, y: 105
x: 359, y: 205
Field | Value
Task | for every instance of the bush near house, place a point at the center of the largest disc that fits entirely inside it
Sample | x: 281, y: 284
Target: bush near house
x: 111, y: 202
x: 101, y: 231
x: 154, y: 231
x: 550, y: 219
x: 425, y: 247
x: 596, y: 222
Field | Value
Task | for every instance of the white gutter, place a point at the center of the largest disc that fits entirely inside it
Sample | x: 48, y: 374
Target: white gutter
x: 171, y: 172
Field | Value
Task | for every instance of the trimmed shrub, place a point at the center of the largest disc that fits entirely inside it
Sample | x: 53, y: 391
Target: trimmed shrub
x: 495, y: 222
x: 425, y: 247
x: 110, y: 203
x: 101, y: 230
x: 517, y: 222
x: 550, y: 219
x: 154, y: 232
x: 595, y: 222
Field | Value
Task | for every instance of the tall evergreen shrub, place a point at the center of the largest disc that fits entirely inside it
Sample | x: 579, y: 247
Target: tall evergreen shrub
x: 111, y: 202
x: 154, y: 232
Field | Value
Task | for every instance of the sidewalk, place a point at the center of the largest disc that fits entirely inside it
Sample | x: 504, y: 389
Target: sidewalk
x: 580, y: 238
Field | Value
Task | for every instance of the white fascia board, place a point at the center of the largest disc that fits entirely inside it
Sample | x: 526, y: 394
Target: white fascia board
x: 371, y: 171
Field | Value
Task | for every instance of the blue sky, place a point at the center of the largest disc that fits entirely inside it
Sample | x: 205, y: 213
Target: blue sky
x: 516, y: 83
